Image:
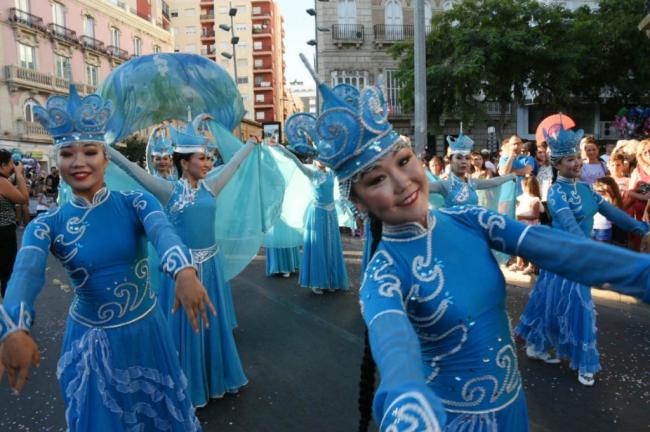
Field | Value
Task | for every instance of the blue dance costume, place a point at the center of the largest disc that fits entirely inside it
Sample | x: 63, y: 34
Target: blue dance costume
x: 560, y: 313
x: 119, y: 369
x: 322, y: 264
x: 460, y: 192
x: 282, y: 260
x: 425, y: 306
x: 210, y: 358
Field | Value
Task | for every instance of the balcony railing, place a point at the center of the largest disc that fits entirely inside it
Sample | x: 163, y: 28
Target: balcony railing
x: 62, y: 32
x: 32, y: 130
x: 22, y: 17
x: 390, y: 33
x: 207, y: 16
x: 347, y: 33
x: 92, y: 43
x: 118, y: 52
x: 207, y: 34
x: 16, y: 76
x: 262, y: 31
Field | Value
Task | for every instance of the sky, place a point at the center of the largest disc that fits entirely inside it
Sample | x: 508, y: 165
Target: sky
x: 298, y: 29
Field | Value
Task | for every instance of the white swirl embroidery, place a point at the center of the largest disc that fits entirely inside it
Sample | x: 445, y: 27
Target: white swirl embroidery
x: 410, y: 412
x: 389, y: 284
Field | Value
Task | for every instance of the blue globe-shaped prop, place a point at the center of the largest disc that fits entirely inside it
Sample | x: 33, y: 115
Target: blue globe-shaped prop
x: 150, y: 89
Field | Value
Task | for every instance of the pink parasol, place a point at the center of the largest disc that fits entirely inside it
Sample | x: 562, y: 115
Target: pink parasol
x: 552, y: 125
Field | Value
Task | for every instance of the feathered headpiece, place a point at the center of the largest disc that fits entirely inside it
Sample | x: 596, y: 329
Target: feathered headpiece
x: 565, y: 142
x: 72, y: 119
x: 350, y: 134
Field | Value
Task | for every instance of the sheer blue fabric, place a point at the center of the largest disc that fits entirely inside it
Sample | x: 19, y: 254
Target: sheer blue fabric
x: 152, y: 88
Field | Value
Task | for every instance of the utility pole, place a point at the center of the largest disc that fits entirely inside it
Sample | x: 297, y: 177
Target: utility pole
x: 420, y: 80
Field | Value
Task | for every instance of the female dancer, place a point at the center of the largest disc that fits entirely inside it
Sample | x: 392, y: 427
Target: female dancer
x: 560, y: 313
x: 322, y: 266
x: 209, y: 359
x: 159, y: 156
x: 459, y: 188
x: 437, y: 324
x: 119, y: 369
x: 283, y: 261
x: 10, y: 195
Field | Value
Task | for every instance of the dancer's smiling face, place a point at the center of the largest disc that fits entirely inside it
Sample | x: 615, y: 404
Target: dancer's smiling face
x: 197, y: 166
x: 162, y: 163
x: 395, y: 189
x: 569, y: 166
x: 82, y: 166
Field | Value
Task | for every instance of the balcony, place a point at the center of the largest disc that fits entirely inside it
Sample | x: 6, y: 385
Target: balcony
x: 207, y: 34
x: 18, y: 77
x: 393, y: 33
x: 262, y: 31
x: 62, y: 32
x: 92, y: 43
x: 118, y: 52
x: 207, y: 17
x: 258, y: 12
x: 32, y: 130
x: 25, y: 18
x: 263, y: 85
x: 348, y: 34
x: 262, y: 68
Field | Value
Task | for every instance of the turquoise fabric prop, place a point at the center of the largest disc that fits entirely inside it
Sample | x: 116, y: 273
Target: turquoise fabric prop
x: 150, y: 89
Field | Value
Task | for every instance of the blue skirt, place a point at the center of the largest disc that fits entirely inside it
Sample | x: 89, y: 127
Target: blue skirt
x: 209, y: 358
x: 560, y: 314
x: 512, y: 418
x: 322, y: 265
x: 123, y: 379
x: 282, y: 260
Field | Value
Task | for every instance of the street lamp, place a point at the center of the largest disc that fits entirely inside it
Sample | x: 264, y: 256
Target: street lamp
x: 234, y: 40
x: 314, y: 43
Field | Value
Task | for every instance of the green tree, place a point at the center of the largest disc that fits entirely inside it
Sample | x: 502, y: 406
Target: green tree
x: 509, y: 50
x: 133, y: 147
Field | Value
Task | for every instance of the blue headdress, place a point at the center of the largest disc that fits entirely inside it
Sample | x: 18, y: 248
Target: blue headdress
x: 564, y: 143
x: 72, y: 119
x: 351, y: 133
x: 461, y: 145
x: 188, y: 140
x: 157, y: 145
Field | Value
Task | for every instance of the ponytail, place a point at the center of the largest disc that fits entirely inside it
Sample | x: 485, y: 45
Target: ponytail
x: 367, y: 379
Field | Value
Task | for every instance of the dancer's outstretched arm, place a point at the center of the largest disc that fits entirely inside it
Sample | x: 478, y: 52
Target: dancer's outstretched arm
x: 304, y: 168
x: 217, y: 182
x: 493, y: 182
x: 439, y: 187
x: 158, y: 187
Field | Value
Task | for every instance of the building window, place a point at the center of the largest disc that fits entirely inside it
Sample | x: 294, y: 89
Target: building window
x: 190, y: 12
x: 174, y: 14
x: 494, y: 108
x: 58, y: 14
x: 393, y: 88
x: 346, y: 12
x: 190, y: 30
x: 89, y: 26
x: 242, y: 80
x: 92, y: 74
x: 115, y: 37
x: 359, y: 79
x: 137, y: 46
x: 259, y: 115
x: 27, y: 56
x: 257, y: 45
x: 259, y: 98
x: 156, y: 49
x: 23, y: 5
x: 28, y: 109
x: 63, y: 67
x: 393, y: 20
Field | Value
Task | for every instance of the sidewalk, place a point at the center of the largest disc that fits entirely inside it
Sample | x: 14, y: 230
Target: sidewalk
x: 599, y: 295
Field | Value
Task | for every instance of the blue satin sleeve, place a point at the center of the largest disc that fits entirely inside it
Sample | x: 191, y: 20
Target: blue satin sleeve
x: 174, y: 255
x: 561, y: 211
x: 27, y: 279
x: 403, y: 401
x: 573, y: 257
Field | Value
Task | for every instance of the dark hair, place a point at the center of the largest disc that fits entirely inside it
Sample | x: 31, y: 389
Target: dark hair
x: 5, y: 156
x: 613, y: 188
x: 367, y: 378
x: 177, y: 158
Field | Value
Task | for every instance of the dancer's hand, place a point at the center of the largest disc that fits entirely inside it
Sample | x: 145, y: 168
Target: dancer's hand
x: 17, y: 353
x: 192, y: 295
x: 645, y: 244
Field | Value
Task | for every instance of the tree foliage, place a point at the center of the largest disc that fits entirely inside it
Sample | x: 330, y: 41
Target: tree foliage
x: 134, y: 148
x: 510, y: 50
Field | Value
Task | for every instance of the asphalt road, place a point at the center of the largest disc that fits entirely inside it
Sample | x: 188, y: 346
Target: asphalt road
x: 302, y: 352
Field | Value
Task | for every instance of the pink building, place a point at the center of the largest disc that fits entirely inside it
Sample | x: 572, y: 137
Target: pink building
x: 46, y: 44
